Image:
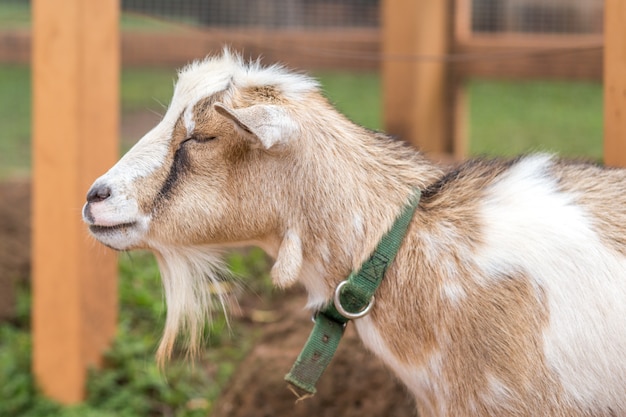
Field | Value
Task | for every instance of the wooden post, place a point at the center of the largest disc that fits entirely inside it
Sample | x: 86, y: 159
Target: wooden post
x: 615, y: 82
x: 75, y: 127
x: 417, y: 107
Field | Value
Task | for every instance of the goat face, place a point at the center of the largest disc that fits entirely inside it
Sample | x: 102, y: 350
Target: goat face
x: 210, y: 174
x: 189, y: 180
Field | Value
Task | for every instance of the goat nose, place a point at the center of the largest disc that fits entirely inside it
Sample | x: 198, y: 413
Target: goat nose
x: 98, y: 193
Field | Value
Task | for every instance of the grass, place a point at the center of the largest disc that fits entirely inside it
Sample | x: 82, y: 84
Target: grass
x: 16, y: 14
x: 146, y: 89
x: 358, y: 96
x: 15, y: 100
x: 137, y: 22
x: 140, y: 89
x: 130, y: 383
x: 509, y: 118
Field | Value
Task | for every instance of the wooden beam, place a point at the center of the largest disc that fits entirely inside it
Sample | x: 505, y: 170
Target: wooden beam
x: 574, y: 57
x: 75, y: 127
x: 615, y: 82
x: 416, y: 93
x: 349, y: 49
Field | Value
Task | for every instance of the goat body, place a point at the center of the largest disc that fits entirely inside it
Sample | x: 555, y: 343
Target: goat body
x: 507, y: 297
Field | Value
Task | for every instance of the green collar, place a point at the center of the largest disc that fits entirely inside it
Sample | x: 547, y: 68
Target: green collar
x: 355, y: 294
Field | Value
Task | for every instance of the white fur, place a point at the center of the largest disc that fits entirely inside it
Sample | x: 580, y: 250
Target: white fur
x: 418, y: 380
x: 193, y: 85
x: 357, y: 223
x: 190, y: 123
x: 530, y: 227
x: 122, y: 208
x: 187, y: 273
x: 453, y: 292
x: 271, y: 125
x: 318, y: 292
x: 286, y: 269
x: 498, y: 394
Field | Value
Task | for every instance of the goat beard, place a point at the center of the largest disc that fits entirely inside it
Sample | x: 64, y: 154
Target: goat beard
x: 192, y: 279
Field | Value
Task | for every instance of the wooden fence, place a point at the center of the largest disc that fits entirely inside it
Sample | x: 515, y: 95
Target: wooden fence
x: 75, y: 67
x: 342, y: 49
x: 429, y: 52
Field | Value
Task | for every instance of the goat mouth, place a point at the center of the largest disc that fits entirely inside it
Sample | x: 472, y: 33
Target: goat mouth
x: 96, y: 229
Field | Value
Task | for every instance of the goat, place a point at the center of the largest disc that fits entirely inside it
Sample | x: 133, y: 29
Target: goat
x: 507, y: 296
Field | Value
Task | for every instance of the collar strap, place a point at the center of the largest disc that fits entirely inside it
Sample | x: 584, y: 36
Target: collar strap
x: 353, y: 299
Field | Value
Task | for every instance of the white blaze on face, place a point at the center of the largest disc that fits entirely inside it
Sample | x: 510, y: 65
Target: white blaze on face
x: 119, y: 204
x: 117, y: 221
x: 190, y: 123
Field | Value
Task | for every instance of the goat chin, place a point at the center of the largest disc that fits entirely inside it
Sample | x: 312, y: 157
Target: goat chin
x: 191, y: 277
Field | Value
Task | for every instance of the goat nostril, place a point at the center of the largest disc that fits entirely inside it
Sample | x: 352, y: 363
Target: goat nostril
x: 98, y: 193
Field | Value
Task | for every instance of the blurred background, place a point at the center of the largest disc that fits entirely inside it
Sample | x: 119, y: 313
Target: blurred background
x: 514, y: 76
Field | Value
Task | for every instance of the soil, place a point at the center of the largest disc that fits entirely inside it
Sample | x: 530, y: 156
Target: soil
x: 14, y: 241
x: 355, y: 384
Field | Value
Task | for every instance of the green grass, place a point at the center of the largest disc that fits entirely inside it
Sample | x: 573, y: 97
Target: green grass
x: 357, y: 95
x: 141, y: 89
x: 14, y: 15
x: 17, y: 15
x: 509, y: 118
x: 15, y: 100
x: 130, y: 383
x: 506, y: 118
x: 146, y: 89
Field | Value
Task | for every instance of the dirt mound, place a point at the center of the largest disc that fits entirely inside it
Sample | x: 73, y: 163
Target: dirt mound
x: 14, y: 241
x: 354, y: 385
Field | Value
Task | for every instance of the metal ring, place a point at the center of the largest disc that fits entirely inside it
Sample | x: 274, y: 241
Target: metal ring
x: 343, y: 311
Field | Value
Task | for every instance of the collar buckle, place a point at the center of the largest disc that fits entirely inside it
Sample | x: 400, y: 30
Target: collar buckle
x: 343, y: 311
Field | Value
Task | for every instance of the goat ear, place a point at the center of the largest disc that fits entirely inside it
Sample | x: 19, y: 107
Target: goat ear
x: 270, y: 125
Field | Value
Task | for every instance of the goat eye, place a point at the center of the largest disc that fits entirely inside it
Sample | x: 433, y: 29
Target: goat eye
x: 200, y: 138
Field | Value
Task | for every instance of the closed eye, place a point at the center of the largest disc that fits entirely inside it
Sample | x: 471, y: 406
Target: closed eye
x: 202, y: 138
x: 199, y: 138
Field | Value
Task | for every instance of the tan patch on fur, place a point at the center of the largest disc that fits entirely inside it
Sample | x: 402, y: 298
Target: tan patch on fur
x: 438, y: 244
x: 265, y: 94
